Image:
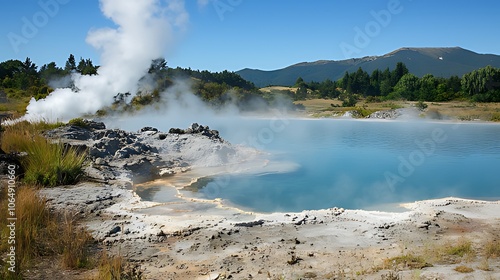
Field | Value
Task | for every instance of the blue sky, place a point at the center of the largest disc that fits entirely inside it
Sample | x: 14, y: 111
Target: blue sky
x: 262, y: 34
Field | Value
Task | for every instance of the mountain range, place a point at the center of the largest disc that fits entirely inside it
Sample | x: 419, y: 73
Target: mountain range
x: 440, y: 62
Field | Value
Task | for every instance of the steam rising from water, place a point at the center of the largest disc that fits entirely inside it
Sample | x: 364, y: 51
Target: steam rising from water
x: 144, y: 30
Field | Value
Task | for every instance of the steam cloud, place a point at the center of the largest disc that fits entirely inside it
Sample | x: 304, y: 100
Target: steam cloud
x: 144, y: 30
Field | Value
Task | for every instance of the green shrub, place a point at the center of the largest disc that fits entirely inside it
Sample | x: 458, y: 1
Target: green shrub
x: 78, y: 122
x: 363, y: 112
x: 421, y: 105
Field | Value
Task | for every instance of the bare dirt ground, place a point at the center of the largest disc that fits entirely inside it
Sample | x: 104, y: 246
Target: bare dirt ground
x: 191, y: 239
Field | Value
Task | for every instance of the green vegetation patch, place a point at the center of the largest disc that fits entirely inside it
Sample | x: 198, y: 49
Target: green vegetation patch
x: 407, y: 261
x: 52, y: 164
x: 78, y: 122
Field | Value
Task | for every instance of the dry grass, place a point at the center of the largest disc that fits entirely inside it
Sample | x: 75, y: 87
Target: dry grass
x: 462, y: 110
x: 32, y: 224
x: 73, y: 244
x: 462, y: 247
x: 464, y: 269
x: 46, y: 164
x: 40, y: 232
x: 115, y: 267
x: 451, y: 251
x: 278, y: 88
x: 16, y: 107
x: 17, y: 137
x: 485, y: 265
x: 492, y: 248
x: 406, y: 261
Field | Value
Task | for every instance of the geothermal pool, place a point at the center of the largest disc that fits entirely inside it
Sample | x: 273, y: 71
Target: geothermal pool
x: 357, y: 164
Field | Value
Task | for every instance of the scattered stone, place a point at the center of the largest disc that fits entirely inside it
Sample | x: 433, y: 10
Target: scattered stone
x: 294, y: 260
x: 250, y: 224
x: 114, y: 230
x: 387, y: 114
x: 148, y: 128
x: 309, y: 275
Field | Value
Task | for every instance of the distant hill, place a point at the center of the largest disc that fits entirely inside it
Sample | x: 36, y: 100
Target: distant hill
x: 440, y: 62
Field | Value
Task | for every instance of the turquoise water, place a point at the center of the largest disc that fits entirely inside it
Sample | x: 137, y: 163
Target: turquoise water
x: 361, y: 164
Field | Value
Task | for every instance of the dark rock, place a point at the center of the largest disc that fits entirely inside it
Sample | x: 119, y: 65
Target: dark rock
x: 294, y: 260
x: 112, y: 133
x: 11, y: 159
x: 176, y: 131
x: 148, y: 128
x: 94, y: 125
x: 111, y: 145
x: 79, y: 148
x: 143, y: 170
x: 250, y: 224
x: 70, y: 132
x: 126, y: 152
x: 97, y: 153
x: 115, y: 230
x: 300, y: 222
x: 162, y: 136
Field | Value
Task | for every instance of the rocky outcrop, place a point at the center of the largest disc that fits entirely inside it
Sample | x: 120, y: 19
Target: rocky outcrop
x: 402, y: 113
x: 388, y: 114
x: 148, y: 153
x: 198, y: 129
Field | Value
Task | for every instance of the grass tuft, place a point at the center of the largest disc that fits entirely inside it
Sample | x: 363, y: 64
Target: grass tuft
x: 46, y: 164
x: 464, y: 269
x: 492, y: 248
x: 78, y: 122
x: 40, y: 232
x: 462, y: 248
x: 73, y: 244
x: 451, y: 251
x: 51, y: 164
x: 16, y: 137
x: 406, y: 261
x: 115, y: 267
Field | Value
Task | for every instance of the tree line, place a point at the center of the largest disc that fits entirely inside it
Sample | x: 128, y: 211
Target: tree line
x: 25, y: 79
x: 482, y: 85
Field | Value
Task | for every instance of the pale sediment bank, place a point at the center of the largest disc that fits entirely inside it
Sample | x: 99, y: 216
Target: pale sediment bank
x: 189, y: 238
x: 192, y: 239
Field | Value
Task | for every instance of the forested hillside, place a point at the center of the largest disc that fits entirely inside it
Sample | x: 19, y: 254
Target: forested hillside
x: 22, y: 80
x: 482, y: 85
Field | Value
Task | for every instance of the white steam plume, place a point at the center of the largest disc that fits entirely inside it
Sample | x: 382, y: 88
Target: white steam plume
x: 144, y: 30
